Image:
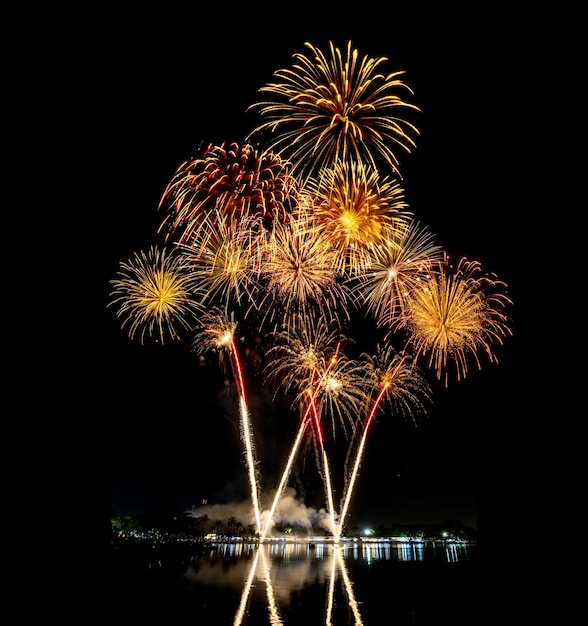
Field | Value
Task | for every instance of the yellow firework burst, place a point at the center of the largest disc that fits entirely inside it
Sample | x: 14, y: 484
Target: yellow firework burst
x: 155, y: 294
x: 397, y: 267
x: 355, y: 207
x: 457, y: 316
x: 339, y: 107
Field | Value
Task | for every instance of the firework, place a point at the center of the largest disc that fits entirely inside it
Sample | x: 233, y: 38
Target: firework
x: 398, y: 266
x: 356, y: 208
x: 225, y: 259
x: 401, y: 385
x: 336, y: 108
x: 304, y: 421
x: 155, y: 294
x: 456, y: 316
x: 217, y: 332
x: 297, y: 356
x: 234, y: 180
x: 297, y: 238
x: 299, y: 273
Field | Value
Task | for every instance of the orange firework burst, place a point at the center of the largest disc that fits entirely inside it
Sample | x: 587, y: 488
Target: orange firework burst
x: 337, y: 108
x: 399, y: 266
x: 236, y: 181
x: 456, y: 315
x: 155, y: 293
x: 355, y: 208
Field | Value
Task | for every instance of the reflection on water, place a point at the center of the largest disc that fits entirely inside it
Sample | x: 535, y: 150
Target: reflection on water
x: 271, y: 574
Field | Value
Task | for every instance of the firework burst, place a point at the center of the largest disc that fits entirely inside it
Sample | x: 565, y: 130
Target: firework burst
x: 356, y: 208
x: 335, y: 108
x: 310, y: 357
x: 406, y: 387
x: 155, y: 294
x: 297, y: 357
x: 300, y: 278
x: 225, y: 258
x: 234, y: 180
x: 397, y: 267
x: 456, y: 316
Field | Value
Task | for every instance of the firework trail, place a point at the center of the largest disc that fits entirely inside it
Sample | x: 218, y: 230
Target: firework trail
x: 246, y: 590
x: 325, y: 462
x: 218, y: 333
x: 349, y: 487
x: 353, y: 604
x: 302, y: 428
x: 274, y: 615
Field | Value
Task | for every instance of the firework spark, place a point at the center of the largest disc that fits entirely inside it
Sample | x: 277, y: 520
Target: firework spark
x: 235, y: 180
x: 356, y: 208
x: 336, y: 108
x: 155, y: 294
x: 456, y: 316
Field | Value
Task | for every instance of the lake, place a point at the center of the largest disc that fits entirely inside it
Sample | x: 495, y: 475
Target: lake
x: 369, y: 583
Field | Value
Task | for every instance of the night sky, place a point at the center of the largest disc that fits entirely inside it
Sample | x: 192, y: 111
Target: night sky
x: 165, y: 89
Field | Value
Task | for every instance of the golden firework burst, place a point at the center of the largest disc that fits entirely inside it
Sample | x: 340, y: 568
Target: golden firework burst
x: 355, y: 208
x: 155, y: 294
x: 335, y: 108
x: 457, y: 316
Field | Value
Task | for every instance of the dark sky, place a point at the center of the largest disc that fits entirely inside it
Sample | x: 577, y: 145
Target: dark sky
x: 163, y: 89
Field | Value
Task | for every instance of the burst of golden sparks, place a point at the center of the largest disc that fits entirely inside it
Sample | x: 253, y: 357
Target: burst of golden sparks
x: 456, y: 316
x: 398, y: 267
x: 155, y: 294
x: 299, y: 272
x: 355, y: 207
x: 336, y: 108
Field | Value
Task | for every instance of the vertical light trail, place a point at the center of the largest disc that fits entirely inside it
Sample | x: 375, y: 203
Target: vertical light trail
x: 303, y: 424
x: 331, y: 592
x: 326, y: 471
x: 246, y: 432
x: 246, y: 590
x: 349, y: 588
x: 274, y: 615
x: 358, y: 457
